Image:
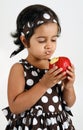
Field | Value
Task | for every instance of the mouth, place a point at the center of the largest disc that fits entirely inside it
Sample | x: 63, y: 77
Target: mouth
x: 48, y: 52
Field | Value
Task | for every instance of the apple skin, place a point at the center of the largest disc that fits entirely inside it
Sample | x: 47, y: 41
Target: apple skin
x: 61, y: 62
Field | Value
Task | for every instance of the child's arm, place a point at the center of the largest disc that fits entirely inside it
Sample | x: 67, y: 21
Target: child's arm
x: 68, y: 88
x: 20, y: 100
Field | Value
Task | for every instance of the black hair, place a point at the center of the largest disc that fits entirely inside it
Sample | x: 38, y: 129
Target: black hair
x: 30, y: 14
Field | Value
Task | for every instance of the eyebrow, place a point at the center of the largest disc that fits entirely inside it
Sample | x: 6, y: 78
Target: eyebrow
x: 45, y: 36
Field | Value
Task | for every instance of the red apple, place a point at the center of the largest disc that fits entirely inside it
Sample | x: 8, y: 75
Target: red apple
x: 61, y: 62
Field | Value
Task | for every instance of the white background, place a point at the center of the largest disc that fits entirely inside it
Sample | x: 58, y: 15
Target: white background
x: 69, y: 44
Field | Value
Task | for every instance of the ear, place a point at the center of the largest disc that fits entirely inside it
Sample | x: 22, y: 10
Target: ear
x: 23, y: 40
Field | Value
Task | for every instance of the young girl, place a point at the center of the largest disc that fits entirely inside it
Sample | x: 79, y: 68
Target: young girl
x: 39, y: 98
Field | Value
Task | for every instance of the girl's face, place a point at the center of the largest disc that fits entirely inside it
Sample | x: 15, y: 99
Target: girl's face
x: 43, y: 41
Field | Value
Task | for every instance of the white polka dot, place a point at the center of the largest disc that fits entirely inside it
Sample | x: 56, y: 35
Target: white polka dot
x: 5, y: 112
x: 64, y: 101
x: 39, y: 112
x: 46, y: 16
x: 26, y: 67
x: 60, y: 107
x: 31, y: 66
x: 54, y: 21
x: 30, y: 82
x: 44, y: 99
x: 24, y: 121
x: 22, y: 34
x: 26, y: 128
x: 53, y: 120
x: 31, y: 110
x: 58, y: 118
x: 38, y: 70
x: 40, y: 22
x: 27, y: 32
x: 51, y: 108
x: 46, y: 71
x: 67, y: 108
x: 14, y: 128
x: 55, y: 99
x: 24, y: 74
x: 34, y: 121
x: 41, y: 121
x: 58, y: 128
x: 28, y: 24
x: 49, y: 91
x: 65, y: 125
x: 34, y: 73
x: 48, y: 121
x: 9, y: 121
x: 39, y: 129
x: 25, y: 61
x: 14, y: 116
x: 22, y: 114
x: 37, y: 107
x: 19, y: 128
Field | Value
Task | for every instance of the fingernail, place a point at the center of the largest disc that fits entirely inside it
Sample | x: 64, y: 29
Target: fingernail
x: 61, y: 69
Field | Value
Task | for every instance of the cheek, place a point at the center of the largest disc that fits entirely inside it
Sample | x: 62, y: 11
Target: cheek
x: 54, y: 46
x: 40, y: 47
x: 36, y: 50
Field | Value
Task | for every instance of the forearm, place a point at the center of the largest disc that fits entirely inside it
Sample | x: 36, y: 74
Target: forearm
x: 27, y: 99
x: 69, y: 96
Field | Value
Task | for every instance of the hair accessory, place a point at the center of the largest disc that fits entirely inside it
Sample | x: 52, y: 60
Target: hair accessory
x: 43, y: 18
x: 54, y: 21
x: 46, y: 16
x: 22, y: 33
x: 28, y: 24
x: 27, y: 32
x: 40, y: 22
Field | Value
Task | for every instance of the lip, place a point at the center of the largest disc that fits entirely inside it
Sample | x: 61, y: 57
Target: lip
x: 48, y: 52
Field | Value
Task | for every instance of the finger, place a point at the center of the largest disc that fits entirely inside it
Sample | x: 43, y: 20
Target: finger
x: 70, y: 75
x: 61, y: 76
x: 57, y: 72
x: 70, y: 78
x: 71, y: 69
x: 53, y: 69
x: 72, y: 65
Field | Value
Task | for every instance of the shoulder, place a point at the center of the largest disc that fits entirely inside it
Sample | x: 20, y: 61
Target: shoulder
x: 16, y: 68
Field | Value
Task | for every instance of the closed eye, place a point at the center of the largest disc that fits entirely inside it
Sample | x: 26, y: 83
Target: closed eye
x: 53, y: 40
x: 41, y: 41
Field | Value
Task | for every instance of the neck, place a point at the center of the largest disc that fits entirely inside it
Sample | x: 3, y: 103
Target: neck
x: 42, y: 64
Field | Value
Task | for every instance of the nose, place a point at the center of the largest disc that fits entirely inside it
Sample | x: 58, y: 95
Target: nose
x: 48, y: 45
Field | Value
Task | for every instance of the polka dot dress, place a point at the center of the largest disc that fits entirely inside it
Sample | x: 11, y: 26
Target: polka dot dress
x: 49, y: 113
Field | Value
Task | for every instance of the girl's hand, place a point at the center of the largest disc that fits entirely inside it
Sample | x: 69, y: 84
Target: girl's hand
x: 68, y: 87
x: 52, y: 77
x: 69, y: 81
